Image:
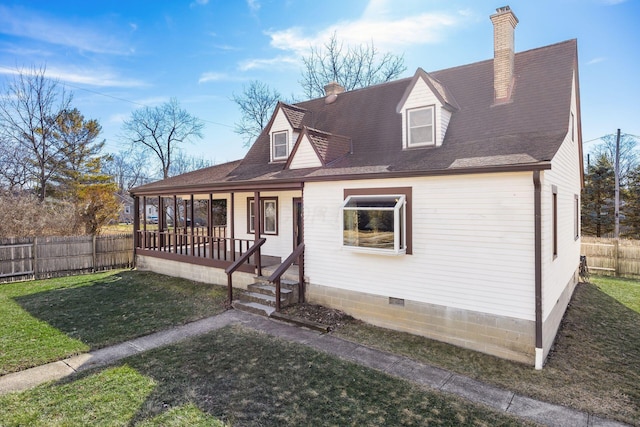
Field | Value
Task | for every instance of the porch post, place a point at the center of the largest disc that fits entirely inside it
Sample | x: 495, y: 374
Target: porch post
x: 209, y: 225
x: 186, y: 231
x: 144, y: 222
x: 256, y: 229
x: 136, y: 224
x: 230, y: 223
x: 175, y: 224
x: 161, y: 221
x: 193, y: 237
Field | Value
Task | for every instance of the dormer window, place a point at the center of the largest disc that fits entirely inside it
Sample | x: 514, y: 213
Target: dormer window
x: 420, y: 129
x: 279, y: 146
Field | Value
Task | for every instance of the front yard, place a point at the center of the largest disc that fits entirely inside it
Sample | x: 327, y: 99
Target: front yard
x: 241, y: 377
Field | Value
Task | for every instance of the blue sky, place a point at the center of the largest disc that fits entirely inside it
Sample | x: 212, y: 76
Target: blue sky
x: 118, y: 55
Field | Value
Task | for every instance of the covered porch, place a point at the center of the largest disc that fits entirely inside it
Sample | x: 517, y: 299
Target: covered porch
x: 249, y: 230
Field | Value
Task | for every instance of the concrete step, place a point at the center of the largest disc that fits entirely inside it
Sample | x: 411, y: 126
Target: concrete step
x: 269, y: 300
x: 269, y: 289
x: 253, y: 307
x: 285, y: 283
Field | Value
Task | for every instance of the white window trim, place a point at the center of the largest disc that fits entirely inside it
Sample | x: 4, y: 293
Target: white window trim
x: 408, y: 111
x: 397, y: 219
x: 273, y: 146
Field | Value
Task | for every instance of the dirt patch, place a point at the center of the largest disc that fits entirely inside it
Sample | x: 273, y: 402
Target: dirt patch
x: 330, y: 317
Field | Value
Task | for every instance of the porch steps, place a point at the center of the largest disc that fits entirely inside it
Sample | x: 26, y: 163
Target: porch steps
x: 260, y: 297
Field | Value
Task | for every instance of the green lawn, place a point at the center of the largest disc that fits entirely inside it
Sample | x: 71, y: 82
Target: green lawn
x: 46, y: 320
x: 594, y: 366
x: 240, y: 377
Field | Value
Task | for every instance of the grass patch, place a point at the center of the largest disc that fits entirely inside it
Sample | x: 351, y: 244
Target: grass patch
x: 594, y: 366
x: 243, y: 377
x: 46, y: 320
x: 626, y: 291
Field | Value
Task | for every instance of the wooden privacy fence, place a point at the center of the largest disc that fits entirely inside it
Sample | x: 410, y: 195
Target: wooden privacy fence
x: 618, y: 257
x: 43, y: 257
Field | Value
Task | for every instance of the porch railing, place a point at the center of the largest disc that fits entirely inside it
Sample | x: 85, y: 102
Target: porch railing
x: 244, y: 258
x: 198, y: 244
x: 297, y: 254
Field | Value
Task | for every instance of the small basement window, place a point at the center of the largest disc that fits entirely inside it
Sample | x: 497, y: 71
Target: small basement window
x: 375, y: 223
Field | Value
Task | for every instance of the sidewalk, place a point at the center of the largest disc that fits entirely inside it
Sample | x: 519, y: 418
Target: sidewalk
x: 419, y: 373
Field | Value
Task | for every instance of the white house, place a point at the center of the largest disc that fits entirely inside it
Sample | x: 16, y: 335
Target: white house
x: 445, y: 204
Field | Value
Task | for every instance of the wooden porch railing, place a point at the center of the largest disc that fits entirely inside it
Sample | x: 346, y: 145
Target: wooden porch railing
x: 244, y: 258
x: 297, y: 254
x: 197, y: 244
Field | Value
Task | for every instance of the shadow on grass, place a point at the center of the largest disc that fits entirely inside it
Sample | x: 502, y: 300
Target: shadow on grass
x: 123, y: 306
x: 247, y: 378
x: 594, y: 365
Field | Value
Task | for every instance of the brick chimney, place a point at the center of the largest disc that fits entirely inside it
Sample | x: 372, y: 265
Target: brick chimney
x: 333, y: 88
x: 504, y: 24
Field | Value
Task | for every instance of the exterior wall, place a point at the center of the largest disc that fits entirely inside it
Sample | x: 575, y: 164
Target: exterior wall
x: 198, y: 273
x: 305, y: 156
x: 280, y: 245
x: 504, y: 337
x: 560, y: 272
x: 473, y: 254
x: 422, y: 96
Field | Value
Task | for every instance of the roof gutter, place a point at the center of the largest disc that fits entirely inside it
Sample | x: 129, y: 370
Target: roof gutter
x: 537, y: 211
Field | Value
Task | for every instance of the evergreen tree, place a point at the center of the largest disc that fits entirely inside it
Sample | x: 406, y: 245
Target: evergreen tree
x: 631, y: 208
x: 597, y: 198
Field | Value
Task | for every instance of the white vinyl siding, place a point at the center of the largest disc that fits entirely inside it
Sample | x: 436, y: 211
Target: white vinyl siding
x: 305, y: 156
x: 565, y: 175
x: 276, y: 245
x: 472, y: 244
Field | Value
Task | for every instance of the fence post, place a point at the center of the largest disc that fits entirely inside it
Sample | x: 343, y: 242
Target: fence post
x: 35, y: 257
x: 93, y: 250
x: 616, y: 262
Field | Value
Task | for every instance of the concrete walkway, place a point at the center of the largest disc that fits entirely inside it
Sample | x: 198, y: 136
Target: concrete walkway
x: 419, y: 373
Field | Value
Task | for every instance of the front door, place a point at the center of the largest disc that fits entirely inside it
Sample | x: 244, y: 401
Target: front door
x: 297, y: 222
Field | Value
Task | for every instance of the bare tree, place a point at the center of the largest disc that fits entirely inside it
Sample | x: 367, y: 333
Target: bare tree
x: 352, y: 67
x: 183, y: 163
x: 628, y: 153
x: 128, y: 168
x: 256, y: 104
x: 161, y: 129
x: 29, y: 110
x: 14, y: 168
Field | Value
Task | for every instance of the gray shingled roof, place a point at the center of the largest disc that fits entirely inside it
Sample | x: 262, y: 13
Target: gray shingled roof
x: 528, y: 130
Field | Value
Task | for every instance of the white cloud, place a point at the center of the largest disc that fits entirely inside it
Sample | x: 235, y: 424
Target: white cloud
x: 212, y: 77
x: 376, y: 25
x: 596, y: 60
x: 24, y: 23
x: 254, y: 5
x: 391, y: 26
x: 277, y: 62
x: 92, y: 77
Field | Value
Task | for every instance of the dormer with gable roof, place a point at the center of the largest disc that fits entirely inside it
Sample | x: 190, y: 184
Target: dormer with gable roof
x: 315, y: 148
x: 284, y: 130
x: 426, y: 108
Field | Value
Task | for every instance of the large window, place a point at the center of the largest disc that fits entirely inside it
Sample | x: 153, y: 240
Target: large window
x: 420, y: 127
x: 280, y: 149
x: 269, y: 213
x: 375, y: 223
